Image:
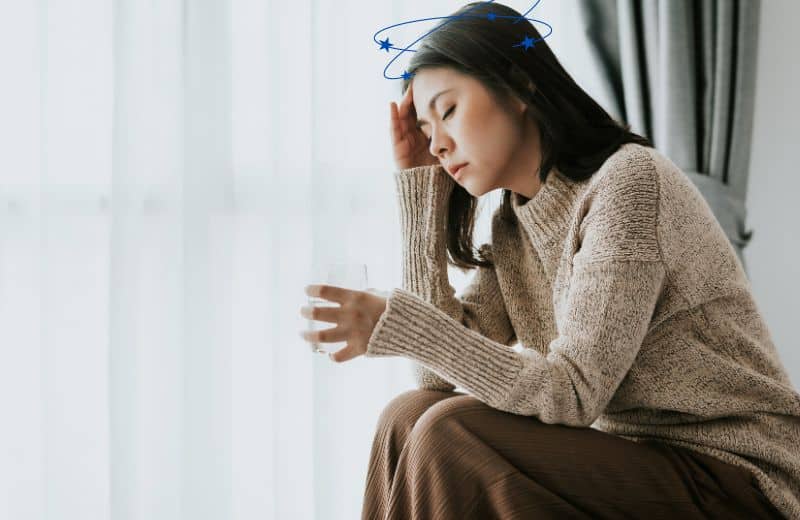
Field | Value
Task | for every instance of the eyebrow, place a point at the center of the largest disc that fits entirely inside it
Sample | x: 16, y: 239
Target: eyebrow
x: 421, y: 122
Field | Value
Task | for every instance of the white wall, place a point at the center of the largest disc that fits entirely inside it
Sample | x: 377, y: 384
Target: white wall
x: 772, y: 256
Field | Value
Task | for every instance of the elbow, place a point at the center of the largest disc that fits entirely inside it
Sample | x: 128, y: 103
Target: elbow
x: 586, y: 411
x: 588, y: 415
x: 545, y: 390
x: 588, y: 420
x: 576, y: 416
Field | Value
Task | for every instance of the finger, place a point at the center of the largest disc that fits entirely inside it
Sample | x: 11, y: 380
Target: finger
x: 402, y: 127
x: 328, y: 292
x: 411, y: 117
x: 412, y: 111
x: 395, y: 122
x: 345, y: 354
x: 318, y: 313
x: 331, y: 335
x: 328, y: 314
x: 408, y: 121
x: 406, y: 103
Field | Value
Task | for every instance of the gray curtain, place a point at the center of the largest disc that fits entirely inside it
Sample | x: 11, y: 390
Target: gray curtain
x: 682, y: 73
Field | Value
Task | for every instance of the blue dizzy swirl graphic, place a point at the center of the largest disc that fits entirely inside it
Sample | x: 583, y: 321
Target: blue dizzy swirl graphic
x: 386, y: 45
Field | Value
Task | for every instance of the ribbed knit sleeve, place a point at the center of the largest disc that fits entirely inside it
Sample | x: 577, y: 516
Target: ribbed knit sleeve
x: 423, y: 193
x: 615, y: 283
x: 484, y: 308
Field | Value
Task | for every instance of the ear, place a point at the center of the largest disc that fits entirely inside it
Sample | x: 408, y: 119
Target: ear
x: 531, y: 88
x: 520, y: 106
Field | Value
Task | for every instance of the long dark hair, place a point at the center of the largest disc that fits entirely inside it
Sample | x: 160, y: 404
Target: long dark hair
x: 577, y: 134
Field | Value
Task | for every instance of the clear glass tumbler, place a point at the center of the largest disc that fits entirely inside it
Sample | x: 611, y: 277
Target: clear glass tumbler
x: 350, y: 275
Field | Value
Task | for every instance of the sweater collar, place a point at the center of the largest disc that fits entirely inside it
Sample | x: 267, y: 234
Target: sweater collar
x: 547, y: 216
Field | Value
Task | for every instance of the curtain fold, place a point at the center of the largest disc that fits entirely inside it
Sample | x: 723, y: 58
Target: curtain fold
x: 682, y: 72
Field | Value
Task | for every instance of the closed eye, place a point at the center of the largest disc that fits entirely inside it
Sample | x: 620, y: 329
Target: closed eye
x: 445, y: 116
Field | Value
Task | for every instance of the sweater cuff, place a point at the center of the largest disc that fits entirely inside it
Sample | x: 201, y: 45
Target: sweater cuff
x: 413, y: 328
x: 423, y: 193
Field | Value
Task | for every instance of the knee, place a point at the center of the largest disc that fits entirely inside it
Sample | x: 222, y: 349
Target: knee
x: 437, y: 428
x: 405, y: 408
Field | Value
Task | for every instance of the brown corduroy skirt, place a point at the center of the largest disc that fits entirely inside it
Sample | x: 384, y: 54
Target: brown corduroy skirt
x: 447, y: 455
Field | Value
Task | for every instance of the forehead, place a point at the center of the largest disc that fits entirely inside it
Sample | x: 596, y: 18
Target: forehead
x: 429, y: 82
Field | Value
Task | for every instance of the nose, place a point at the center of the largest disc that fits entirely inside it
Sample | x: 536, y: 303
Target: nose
x: 440, y: 143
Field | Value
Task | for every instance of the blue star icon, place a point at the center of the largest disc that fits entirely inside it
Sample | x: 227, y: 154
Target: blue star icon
x: 491, y: 16
x: 407, y: 75
x: 385, y: 45
x: 527, y: 43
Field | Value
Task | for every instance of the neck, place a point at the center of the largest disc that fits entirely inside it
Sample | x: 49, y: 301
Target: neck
x: 524, y: 172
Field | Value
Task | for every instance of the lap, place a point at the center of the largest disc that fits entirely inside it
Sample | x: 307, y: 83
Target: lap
x: 587, y: 469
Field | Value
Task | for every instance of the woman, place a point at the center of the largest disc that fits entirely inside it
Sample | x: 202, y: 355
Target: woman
x: 647, y: 385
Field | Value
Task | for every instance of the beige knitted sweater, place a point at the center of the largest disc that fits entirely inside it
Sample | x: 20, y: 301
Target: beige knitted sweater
x: 632, y: 310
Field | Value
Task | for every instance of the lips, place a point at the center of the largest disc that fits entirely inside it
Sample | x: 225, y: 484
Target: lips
x: 454, y: 170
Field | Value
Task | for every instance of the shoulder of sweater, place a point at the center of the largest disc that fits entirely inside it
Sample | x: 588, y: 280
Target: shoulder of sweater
x: 630, y: 167
x: 626, y: 183
x: 619, y: 210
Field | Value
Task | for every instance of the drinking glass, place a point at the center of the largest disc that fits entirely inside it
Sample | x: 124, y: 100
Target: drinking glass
x: 350, y: 275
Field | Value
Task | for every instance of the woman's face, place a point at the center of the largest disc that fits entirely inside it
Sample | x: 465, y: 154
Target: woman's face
x: 466, y: 124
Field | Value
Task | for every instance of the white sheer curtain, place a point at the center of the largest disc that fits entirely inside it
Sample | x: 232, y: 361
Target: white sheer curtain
x: 170, y: 173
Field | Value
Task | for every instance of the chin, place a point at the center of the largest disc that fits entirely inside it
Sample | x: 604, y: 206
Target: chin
x: 475, y: 191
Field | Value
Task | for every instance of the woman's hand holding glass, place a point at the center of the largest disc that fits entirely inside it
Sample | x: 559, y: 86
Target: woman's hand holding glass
x: 356, y: 316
